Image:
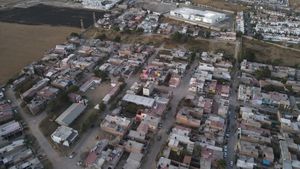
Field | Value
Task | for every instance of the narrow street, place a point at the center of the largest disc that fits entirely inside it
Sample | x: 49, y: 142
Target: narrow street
x: 33, y: 124
x: 232, y: 111
x: 156, y: 146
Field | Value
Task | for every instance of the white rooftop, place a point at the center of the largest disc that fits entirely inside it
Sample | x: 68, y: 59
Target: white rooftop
x: 139, y: 100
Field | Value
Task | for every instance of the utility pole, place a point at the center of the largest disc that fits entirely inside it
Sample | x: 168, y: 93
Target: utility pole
x: 81, y: 25
x: 94, y: 18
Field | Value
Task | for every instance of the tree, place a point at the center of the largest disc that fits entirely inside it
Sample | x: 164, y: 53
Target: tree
x: 72, y: 88
x: 74, y: 34
x: 221, y: 164
x: 249, y: 56
x: 259, y: 36
x: 239, y: 34
x: 89, y: 121
x: 139, y: 30
x: 101, y: 37
x: 262, y: 73
x: 207, y: 34
x: 277, y: 62
x: 117, y: 39
x: 101, y: 74
x: 192, y: 57
x: 116, y: 28
x: 179, y: 37
x: 102, y: 106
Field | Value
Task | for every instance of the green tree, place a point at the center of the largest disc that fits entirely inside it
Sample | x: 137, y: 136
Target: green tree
x: 102, y: 106
x: 116, y: 28
x: 249, y: 56
x: 259, y: 36
x: 101, y: 74
x: 117, y: 39
x: 72, y: 88
x: 101, y: 36
x: 221, y: 164
x: 262, y: 73
x: 239, y: 34
x: 74, y: 34
x: 139, y: 30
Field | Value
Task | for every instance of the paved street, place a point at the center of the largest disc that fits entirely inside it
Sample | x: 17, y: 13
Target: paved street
x: 232, y: 112
x: 156, y: 146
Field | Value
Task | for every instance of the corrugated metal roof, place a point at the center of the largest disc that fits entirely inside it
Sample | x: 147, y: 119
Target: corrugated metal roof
x: 69, y: 115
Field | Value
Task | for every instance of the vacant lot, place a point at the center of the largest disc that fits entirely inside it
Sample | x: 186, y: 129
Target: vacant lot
x: 220, y: 4
x: 295, y: 4
x: 157, y: 40
x: 269, y: 52
x: 22, y: 44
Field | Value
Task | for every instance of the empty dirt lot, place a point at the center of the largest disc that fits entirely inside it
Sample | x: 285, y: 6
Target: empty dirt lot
x: 265, y: 51
x: 295, y: 4
x: 220, y: 4
x: 22, y: 44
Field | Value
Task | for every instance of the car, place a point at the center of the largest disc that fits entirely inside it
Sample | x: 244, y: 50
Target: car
x: 159, y: 138
x: 72, y: 155
x: 79, y: 163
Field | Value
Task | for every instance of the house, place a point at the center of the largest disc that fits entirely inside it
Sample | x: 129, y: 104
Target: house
x: 89, y: 83
x: 48, y: 93
x: 133, y: 161
x: 115, y: 125
x: 10, y: 129
x: 148, y: 88
x: 248, y: 149
x: 139, y: 100
x: 111, y: 93
x: 92, y: 157
x: 34, y: 89
x: 185, y: 118
x: 245, y: 162
x: 133, y: 146
x: 69, y: 115
x: 36, y: 105
x: 64, y: 135
x: 225, y: 91
x: 179, y: 137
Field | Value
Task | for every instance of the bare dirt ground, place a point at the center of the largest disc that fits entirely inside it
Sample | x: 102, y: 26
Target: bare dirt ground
x: 265, y: 51
x: 22, y: 44
x: 220, y: 4
x: 295, y: 4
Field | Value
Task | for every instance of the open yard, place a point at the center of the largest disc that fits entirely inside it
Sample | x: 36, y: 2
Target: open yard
x: 268, y: 52
x: 157, y: 40
x: 295, y: 4
x: 220, y: 4
x: 22, y: 44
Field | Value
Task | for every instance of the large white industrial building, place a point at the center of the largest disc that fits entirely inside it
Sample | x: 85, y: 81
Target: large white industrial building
x: 205, y: 16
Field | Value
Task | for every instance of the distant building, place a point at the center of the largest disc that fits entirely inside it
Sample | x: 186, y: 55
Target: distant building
x: 64, y: 135
x: 205, y: 16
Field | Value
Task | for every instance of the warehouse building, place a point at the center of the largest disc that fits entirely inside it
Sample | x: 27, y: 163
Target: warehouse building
x: 196, y: 15
x: 68, y: 116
